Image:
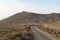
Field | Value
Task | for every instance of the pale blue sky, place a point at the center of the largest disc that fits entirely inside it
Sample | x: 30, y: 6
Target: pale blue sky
x: 10, y: 7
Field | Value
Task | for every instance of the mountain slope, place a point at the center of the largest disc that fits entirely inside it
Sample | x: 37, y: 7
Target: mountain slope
x: 31, y: 17
x: 24, y: 18
x: 19, y: 22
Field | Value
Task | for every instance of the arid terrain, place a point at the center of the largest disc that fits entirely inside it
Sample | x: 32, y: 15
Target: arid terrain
x: 16, y: 26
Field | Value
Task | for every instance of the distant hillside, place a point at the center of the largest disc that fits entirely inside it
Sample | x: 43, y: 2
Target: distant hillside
x: 20, y: 19
x: 31, y: 17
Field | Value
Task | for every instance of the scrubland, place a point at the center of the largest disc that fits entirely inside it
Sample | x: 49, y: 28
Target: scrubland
x: 20, y: 32
x: 52, y: 28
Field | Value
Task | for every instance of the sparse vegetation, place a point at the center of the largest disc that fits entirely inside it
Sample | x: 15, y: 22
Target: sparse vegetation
x: 22, y: 34
x: 14, y: 27
x: 50, y: 31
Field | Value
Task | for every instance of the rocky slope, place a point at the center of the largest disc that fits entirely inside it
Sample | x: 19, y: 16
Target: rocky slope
x: 31, y: 17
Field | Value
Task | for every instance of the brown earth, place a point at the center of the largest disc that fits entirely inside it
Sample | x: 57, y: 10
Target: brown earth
x: 20, y: 21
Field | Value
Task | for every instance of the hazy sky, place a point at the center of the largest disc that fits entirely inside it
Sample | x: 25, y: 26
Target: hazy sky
x: 10, y: 7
